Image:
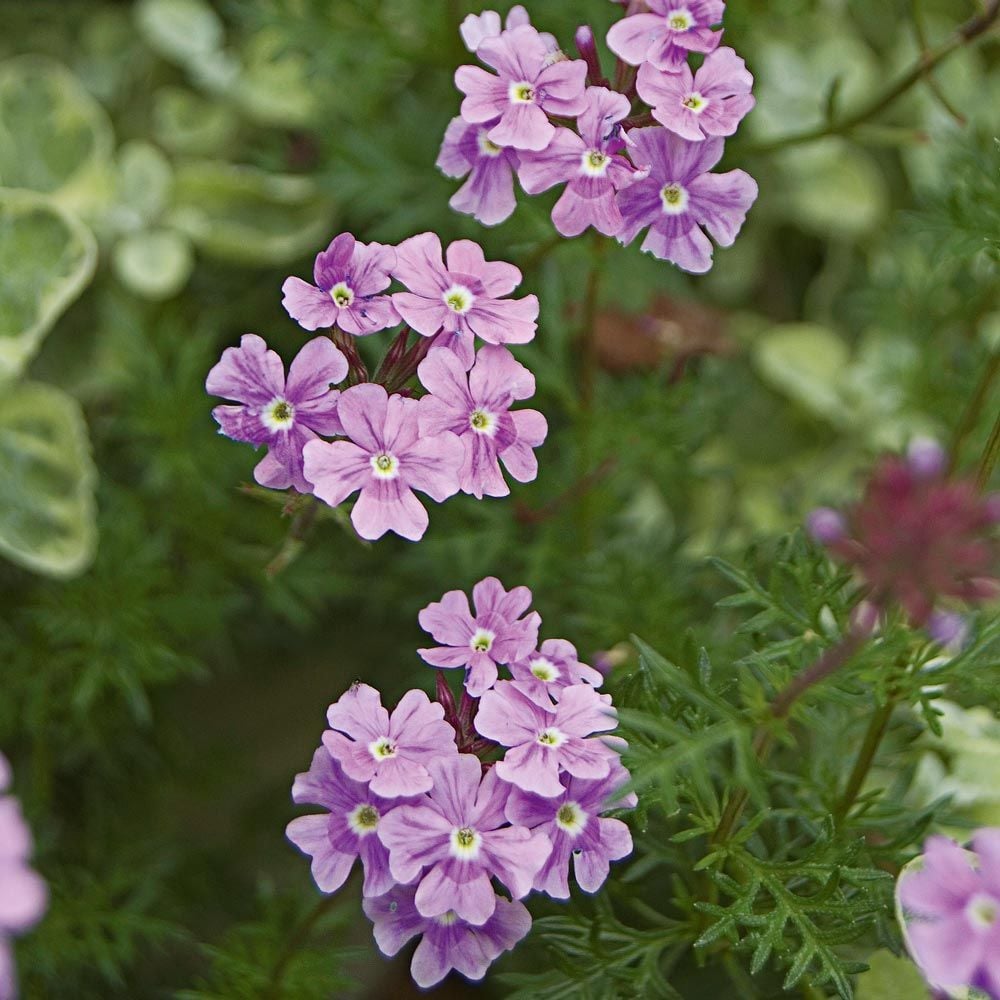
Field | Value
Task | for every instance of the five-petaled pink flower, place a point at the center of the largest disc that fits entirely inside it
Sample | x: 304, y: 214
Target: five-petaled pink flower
x: 283, y: 415
x: 495, y: 635
x: 390, y: 752
x: 348, y: 277
x: 667, y: 33
x: 712, y: 101
x: 386, y: 459
x: 543, y: 743
x: 591, y: 162
x: 547, y: 672
x: 527, y: 88
x: 464, y: 298
x: 679, y: 196
x: 475, y: 405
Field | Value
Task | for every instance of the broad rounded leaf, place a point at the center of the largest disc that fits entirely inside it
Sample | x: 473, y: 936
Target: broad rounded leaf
x: 54, y: 137
x: 246, y: 215
x: 145, y: 180
x: 47, y: 257
x: 181, y: 30
x: 891, y: 978
x: 805, y: 362
x: 154, y: 263
x: 47, y: 515
x: 185, y: 123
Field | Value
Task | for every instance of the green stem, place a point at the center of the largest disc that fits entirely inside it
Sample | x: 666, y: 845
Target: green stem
x: 295, y: 942
x: 924, y: 64
x: 973, y: 410
x: 302, y: 524
x: 878, y: 726
x: 990, y: 455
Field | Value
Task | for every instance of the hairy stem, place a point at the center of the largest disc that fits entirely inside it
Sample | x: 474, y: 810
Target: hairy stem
x: 878, y: 726
x: 922, y: 66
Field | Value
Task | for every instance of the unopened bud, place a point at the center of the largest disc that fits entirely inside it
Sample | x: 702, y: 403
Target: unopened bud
x: 826, y: 525
x: 926, y: 458
x: 587, y: 48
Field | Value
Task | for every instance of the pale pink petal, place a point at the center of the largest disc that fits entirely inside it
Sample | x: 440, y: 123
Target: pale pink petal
x: 720, y: 202
x: 485, y: 94
x: 504, y: 321
x: 631, y: 37
x: 498, y: 277
x: 311, y: 835
x: 249, y: 373
x: 432, y: 464
x: 497, y: 375
x: 563, y: 84
x: 419, y: 265
x: 336, y: 469
x: 379, y: 510
x: 363, y: 410
x: 523, y: 126
x: 334, y: 261
x: 426, y: 315
x: 309, y: 306
x: 318, y: 365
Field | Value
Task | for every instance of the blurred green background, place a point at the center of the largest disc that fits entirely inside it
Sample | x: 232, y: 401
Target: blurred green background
x: 164, y: 165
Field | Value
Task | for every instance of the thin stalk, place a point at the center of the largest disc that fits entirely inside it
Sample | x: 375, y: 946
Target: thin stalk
x: 295, y: 942
x: 878, y: 726
x: 922, y: 66
x: 295, y: 540
x: 973, y: 410
x: 990, y: 455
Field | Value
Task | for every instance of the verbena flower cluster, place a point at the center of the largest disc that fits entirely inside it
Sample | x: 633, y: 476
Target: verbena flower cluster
x: 387, y: 445
x: 640, y: 154
x: 951, y: 912
x: 23, y: 895
x: 918, y: 538
x: 443, y: 801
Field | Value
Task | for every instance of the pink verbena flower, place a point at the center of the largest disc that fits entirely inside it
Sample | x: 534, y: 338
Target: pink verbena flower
x: 495, y: 635
x: 546, y: 673
x: 448, y: 942
x: 477, y: 28
x: 527, y: 88
x: 463, y: 299
x: 679, y: 196
x: 712, y: 101
x: 475, y: 406
x: 390, y: 752
x: 336, y: 839
x: 23, y: 895
x: 457, y: 839
x: 348, y: 277
x: 917, y: 537
x: 667, y: 33
x: 386, y: 459
x: 592, y: 164
x: 545, y: 743
x: 572, y: 821
x: 953, y: 905
x: 488, y: 194
x: 284, y: 416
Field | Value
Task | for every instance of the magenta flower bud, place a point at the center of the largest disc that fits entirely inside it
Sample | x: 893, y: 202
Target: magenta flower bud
x: 926, y: 458
x: 948, y: 629
x: 587, y: 48
x: 826, y: 525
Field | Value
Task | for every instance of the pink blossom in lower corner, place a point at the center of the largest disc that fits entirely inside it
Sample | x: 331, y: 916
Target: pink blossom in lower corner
x: 284, y: 415
x: 452, y: 843
x: 495, y: 635
x: 951, y: 912
x: 23, y: 895
x: 461, y: 295
x: 447, y: 941
x: 546, y: 742
x: 680, y: 197
x: 385, y: 460
x: 393, y: 752
x: 475, y: 406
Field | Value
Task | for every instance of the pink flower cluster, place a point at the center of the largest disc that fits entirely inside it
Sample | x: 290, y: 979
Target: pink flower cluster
x: 23, y: 894
x: 620, y: 178
x: 442, y: 801
x: 387, y: 445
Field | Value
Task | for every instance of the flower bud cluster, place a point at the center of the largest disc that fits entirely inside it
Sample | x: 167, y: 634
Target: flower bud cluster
x: 386, y: 444
x: 554, y: 120
x: 443, y: 803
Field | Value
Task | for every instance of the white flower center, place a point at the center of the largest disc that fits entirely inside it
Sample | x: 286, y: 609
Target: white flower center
x: 521, y: 93
x: 487, y: 148
x: 482, y: 641
x: 382, y: 749
x: 342, y: 294
x: 695, y: 102
x: 544, y: 670
x: 483, y: 422
x: 385, y: 466
x: 465, y: 843
x: 363, y: 819
x: 551, y: 737
x: 674, y: 199
x: 278, y: 415
x: 680, y: 19
x: 594, y: 163
x: 982, y: 911
x: 458, y: 299
x: 447, y: 919
x: 571, y: 818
